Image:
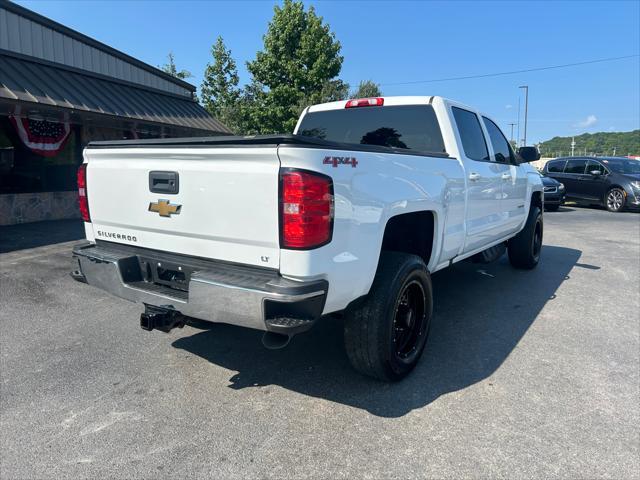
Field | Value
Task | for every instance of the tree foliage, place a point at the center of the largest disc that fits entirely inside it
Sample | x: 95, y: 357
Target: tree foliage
x: 172, y: 70
x: 601, y: 143
x: 219, y: 91
x: 298, y: 66
x: 366, y: 89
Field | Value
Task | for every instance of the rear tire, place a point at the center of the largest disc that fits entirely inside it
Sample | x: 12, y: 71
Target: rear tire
x: 614, y: 200
x: 385, y: 335
x: 524, y: 249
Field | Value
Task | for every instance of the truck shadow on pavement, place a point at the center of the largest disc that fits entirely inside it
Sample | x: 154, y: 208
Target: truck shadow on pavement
x: 481, y: 313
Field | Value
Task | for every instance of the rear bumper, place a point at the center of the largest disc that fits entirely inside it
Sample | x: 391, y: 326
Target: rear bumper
x: 218, y: 292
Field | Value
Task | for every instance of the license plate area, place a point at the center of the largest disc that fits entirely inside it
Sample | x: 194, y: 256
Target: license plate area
x: 167, y: 273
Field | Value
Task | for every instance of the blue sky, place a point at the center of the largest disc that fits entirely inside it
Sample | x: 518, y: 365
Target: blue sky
x: 391, y: 42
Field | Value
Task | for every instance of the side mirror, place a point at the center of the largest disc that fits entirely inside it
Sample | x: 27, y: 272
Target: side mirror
x: 595, y: 173
x: 528, y: 154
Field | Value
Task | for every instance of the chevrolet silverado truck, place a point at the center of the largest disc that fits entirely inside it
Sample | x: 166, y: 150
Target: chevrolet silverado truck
x: 348, y: 216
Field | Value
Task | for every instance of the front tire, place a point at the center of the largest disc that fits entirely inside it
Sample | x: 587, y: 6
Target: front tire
x: 385, y: 335
x: 524, y: 249
x: 614, y: 201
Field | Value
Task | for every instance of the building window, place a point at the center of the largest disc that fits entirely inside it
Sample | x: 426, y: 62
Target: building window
x: 24, y: 171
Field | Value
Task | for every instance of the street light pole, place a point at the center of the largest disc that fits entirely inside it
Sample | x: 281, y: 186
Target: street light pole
x: 519, y: 102
x: 526, y: 110
x: 512, y: 125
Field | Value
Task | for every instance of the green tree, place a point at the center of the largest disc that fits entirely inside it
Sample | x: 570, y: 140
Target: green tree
x: 219, y: 91
x: 298, y: 66
x: 172, y: 70
x: 366, y: 89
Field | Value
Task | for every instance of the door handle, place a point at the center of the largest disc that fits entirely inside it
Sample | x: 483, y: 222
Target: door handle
x: 506, y: 176
x: 164, y: 182
x: 474, y: 177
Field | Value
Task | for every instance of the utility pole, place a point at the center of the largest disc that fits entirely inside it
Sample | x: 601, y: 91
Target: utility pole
x: 512, y: 125
x: 519, y: 121
x: 573, y: 145
x: 526, y: 111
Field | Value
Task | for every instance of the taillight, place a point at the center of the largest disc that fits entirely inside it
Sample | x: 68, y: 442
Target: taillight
x: 365, y: 102
x: 306, y: 209
x: 83, y: 200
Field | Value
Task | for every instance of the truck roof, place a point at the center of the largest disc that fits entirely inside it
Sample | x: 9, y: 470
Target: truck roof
x: 388, y: 101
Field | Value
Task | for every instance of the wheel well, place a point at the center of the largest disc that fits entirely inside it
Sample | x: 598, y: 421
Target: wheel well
x: 410, y: 233
x: 536, y: 200
x: 611, y: 187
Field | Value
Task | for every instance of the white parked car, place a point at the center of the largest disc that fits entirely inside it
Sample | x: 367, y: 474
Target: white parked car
x: 350, y: 216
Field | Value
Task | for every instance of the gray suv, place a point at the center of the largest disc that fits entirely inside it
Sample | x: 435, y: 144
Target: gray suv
x: 610, y: 181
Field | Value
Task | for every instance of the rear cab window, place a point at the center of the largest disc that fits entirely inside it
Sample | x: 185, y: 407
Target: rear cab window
x: 411, y: 127
x: 471, y: 135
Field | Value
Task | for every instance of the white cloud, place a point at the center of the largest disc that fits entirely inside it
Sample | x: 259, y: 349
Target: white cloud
x: 508, y: 107
x: 590, y: 121
x: 612, y: 129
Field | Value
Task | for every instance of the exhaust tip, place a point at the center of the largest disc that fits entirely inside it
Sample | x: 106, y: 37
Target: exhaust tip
x: 275, y: 341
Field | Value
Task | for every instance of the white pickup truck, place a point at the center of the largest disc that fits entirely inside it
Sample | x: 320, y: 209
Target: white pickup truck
x: 347, y: 216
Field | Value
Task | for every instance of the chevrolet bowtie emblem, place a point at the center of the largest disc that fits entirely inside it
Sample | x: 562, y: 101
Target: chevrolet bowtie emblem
x: 164, y: 208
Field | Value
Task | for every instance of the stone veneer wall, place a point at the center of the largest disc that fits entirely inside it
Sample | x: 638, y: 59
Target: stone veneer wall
x: 36, y: 207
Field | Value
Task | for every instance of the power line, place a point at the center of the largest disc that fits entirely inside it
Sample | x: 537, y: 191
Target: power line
x: 512, y: 72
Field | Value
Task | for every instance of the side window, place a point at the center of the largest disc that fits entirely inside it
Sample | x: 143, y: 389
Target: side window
x: 556, y: 166
x: 501, y: 149
x: 575, y: 166
x: 592, y: 165
x: 471, y: 134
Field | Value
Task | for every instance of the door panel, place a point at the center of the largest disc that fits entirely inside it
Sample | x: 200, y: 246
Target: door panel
x: 593, y: 187
x: 514, y: 180
x: 573, y: 173
x: 485, y: 219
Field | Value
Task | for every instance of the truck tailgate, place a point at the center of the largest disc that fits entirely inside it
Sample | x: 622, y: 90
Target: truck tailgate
x: 226, y: 207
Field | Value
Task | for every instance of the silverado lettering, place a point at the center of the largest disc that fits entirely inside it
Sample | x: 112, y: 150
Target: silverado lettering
x: 117, y: 236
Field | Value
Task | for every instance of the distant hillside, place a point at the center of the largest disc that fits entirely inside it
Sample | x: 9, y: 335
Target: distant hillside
x: 601, y: 143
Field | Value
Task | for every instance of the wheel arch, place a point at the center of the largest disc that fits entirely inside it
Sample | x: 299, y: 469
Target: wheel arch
x: 537, y: 200
x: 411, y: 232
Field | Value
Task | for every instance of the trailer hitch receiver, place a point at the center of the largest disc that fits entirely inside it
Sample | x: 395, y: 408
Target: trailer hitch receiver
x: 164, y: 319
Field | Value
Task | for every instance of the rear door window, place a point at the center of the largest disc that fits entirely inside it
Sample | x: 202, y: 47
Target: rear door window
x: 473, y: 142
x: 576, y: 166
x: 556, y: 166
x: 501, y: 149
x: 413, y: 127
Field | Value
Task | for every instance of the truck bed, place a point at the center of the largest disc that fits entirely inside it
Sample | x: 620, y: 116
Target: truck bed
x: 256, y: 140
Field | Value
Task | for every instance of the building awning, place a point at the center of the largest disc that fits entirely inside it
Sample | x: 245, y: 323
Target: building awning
x: 47, y: 85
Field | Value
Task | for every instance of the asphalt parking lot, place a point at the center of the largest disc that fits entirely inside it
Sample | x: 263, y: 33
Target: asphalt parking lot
x: 526, y: 374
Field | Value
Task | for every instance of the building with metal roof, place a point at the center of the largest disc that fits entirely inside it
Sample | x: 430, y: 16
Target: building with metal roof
x: 59, y: 90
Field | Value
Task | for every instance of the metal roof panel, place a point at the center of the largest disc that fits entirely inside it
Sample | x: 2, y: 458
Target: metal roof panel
x: 37, y: 82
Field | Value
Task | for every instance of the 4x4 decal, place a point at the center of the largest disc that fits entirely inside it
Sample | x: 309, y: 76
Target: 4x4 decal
x: 335, y: 161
